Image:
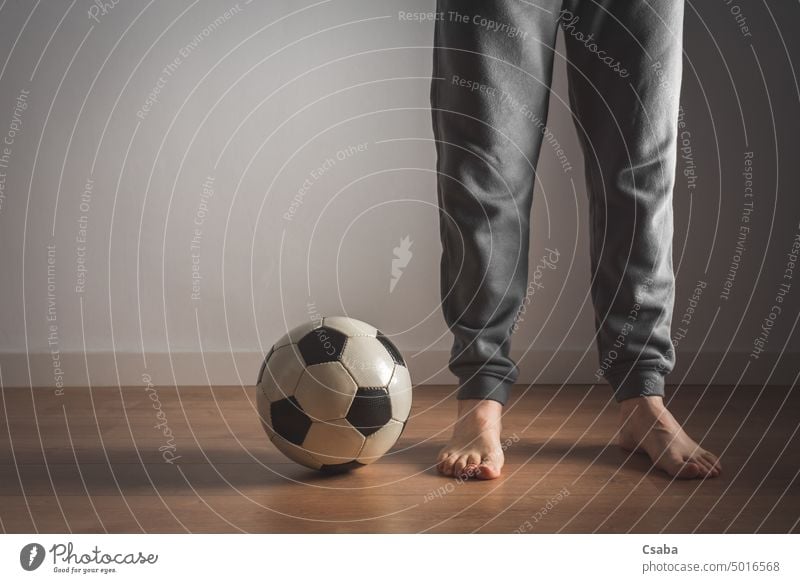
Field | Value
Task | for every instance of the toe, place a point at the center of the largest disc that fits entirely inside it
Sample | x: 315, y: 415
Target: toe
x: 458, y: 467
x: 440, y: 459
x: 689, y: 470
x: 713, y: 460
x: 446, y: 467
x: 710, y: 463
x: 713, y: 469
x: 442, y: 465
x: 679, y: 468
x: 489, y: 469
x: 706, y: 469
x: 473, y: 462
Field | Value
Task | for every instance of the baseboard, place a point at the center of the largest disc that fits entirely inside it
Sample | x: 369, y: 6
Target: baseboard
x: 430, y: 367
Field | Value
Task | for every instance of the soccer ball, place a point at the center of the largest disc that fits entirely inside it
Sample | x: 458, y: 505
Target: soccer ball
x: 334, y: 394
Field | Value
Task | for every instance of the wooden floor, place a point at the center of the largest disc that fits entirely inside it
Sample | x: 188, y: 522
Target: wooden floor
x: 89, y: 461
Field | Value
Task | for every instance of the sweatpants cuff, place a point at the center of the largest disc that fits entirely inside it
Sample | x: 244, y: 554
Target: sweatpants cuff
x: 485, y: 387
x: 637, y: 383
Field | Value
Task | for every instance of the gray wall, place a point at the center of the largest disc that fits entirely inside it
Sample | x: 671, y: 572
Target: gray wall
x: 195, y: 191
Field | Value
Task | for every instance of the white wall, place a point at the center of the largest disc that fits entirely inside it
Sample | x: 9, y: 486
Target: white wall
x: 260, y: 102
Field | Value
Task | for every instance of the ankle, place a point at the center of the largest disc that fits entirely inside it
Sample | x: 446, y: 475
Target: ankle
x: 484, y: 412
x: 652, y: 404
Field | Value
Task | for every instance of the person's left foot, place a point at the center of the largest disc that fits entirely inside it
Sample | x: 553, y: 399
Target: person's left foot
x: 647, y: 426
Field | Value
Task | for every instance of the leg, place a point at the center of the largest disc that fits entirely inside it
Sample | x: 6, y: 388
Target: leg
x: 492, y: 71
x: 625, y: 73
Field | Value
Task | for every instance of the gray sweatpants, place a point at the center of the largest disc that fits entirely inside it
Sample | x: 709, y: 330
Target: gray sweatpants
x: 493, y: 63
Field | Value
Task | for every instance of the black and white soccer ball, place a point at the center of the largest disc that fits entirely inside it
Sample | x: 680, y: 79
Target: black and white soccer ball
x: 334, y: 394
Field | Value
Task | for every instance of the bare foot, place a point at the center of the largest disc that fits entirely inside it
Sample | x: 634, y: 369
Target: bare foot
x: 474, y: 451
x: 647, y: 426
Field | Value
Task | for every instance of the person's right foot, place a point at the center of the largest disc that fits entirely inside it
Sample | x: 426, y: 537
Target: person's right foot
x: 474, y: 450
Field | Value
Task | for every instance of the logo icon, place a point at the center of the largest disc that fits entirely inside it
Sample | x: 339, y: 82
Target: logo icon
x: 402, y: 255
x: 31, y: 556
